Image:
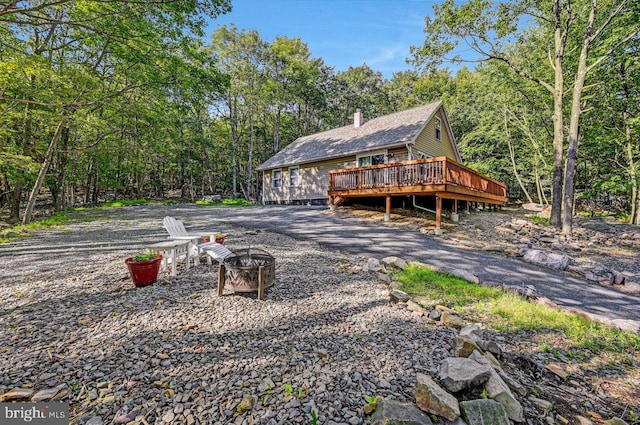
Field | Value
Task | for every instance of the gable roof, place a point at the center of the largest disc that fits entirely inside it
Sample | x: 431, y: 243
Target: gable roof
x: 388, y: 131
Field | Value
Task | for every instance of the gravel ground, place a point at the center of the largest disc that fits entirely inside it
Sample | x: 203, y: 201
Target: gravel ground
x: 324, y: 337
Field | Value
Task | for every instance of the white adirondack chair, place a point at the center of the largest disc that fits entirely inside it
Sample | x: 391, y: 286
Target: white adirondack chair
x: 214, y: 250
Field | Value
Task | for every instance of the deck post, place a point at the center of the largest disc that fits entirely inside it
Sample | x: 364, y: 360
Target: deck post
x: 387, y: 214
x: 438, y: 231
x: 454, y: 211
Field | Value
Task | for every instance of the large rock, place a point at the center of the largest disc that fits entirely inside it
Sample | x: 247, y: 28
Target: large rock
x: 460, y: 373
x: 431, y: 398
x: 473, y: 332
x: 416, y: 308
x: 512, y: 383
x: 395, y: 262
x: 451, y: 320
x: 499, y: 391
x: 483, y: 412
x: 464, y: 274
x: 546, y: 259
x: 465, y: 346
x: 490, y: 346
x: 399, y: 296
x: 391, y: 412
x: 373, y: 264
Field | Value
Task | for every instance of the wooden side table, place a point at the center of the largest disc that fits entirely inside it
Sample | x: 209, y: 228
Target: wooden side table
x: 172, y: 249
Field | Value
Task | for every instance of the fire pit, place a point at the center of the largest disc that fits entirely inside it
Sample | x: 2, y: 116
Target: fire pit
x: 247, y: 270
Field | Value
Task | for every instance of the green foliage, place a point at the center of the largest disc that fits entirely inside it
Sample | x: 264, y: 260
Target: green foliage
x: 140, y: 121
x: 314, y: 418
x: 143, y: 256
x: 543, y: 221
x: 226, y: 202
x: 57, y: 219
x: 288, y: 389
x: 443, y: 288
x: 123, y: 203
x: 236, y: 202
x: 509, y: 312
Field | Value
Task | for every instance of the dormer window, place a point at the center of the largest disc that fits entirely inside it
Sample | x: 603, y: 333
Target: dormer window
x: 438, y: 128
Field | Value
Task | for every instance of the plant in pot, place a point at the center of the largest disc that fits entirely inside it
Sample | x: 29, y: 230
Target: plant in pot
x: 206, y: 238
x: 220, y: 238
x: 143, y: 268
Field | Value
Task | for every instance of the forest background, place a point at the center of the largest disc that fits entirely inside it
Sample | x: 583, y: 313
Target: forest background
x: 104, y: 100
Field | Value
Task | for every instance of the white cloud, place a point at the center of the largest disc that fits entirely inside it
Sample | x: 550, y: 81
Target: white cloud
x: 389, y: 55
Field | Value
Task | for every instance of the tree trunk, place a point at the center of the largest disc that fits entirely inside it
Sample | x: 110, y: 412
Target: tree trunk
x: 59, y: 185
x: 250, y: 165
x: 574, y: 127
x: 513, y: 159
x: 633, y: 175
x: 87, y: 187
x: 558, y: 121
x: 42, y: 173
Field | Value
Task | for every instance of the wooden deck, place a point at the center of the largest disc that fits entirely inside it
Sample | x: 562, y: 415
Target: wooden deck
x: 440, y: 177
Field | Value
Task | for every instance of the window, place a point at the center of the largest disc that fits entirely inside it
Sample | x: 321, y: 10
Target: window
x: 294, y: 176
x: 276, y: 178
x: 438, y: 129
x: 363, y: 161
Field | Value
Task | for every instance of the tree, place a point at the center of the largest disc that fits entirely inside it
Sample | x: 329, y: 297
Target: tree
x: 72, y: 59
x: 491, y: 31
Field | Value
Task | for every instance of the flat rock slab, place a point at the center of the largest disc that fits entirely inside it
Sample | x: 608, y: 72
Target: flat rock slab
x: 483, y: 412
x: 431, y: 398
x: 391, y: 412
x: 460, y: 373
x: 16, y: 394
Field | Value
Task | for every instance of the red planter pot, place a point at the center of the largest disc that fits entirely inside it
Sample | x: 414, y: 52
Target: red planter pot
x: 220, y: 239
x: 144, y: 273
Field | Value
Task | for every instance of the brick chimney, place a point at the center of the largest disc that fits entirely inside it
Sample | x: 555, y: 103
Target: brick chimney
x: 358, y: 120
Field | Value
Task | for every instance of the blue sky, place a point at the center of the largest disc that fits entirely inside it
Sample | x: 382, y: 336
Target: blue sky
x: 342, y: 32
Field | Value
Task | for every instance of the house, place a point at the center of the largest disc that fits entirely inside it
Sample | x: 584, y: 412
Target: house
x: 407, y: 153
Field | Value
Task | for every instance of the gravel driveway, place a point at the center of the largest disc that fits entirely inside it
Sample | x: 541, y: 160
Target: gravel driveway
x: 343, y: 232
x: 74, y: 328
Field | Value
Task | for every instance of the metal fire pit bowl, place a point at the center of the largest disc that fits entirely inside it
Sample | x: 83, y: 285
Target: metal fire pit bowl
x: 247, y: 270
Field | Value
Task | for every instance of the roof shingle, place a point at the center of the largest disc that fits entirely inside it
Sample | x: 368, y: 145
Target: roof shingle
x: 387, y: 131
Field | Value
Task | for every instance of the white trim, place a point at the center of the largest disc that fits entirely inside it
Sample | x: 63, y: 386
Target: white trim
x: 384, y: 152
x: 422, y: 155
x: 450, y: 133
x: 273, y: 179
x: 438, y: 123
x: 297, y: 183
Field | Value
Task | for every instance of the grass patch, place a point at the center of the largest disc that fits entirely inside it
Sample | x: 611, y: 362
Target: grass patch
x: 507, y: 312
x: 124, y: 203
x: 542, y: 221
x: 57, y: 219
x: 227, y: 202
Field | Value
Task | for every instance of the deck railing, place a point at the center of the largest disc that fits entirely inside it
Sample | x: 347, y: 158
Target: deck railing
x: 441, y: 170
